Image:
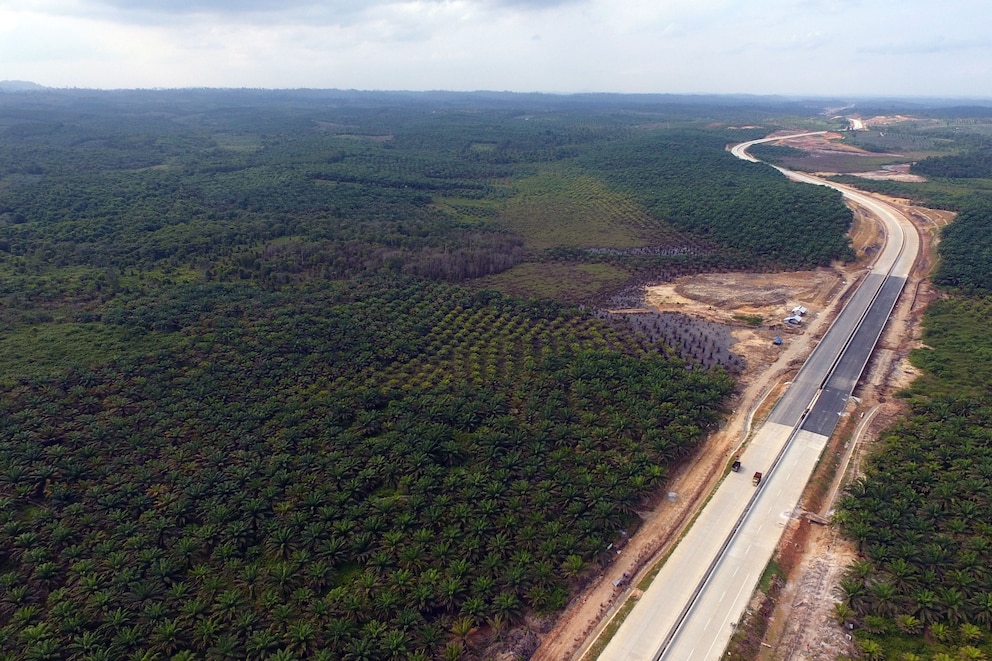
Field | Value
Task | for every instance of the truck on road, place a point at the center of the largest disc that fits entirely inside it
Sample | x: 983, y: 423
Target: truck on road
x: 756, y: 480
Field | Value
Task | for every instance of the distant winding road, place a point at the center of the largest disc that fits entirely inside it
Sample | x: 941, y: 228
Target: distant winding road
x: 691, y: 608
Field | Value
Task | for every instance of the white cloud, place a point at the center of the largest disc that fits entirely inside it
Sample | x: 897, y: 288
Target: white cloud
x: 776, y: 46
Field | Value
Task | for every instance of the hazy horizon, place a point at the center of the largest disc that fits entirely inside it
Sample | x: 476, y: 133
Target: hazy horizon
x: 822, y: 48
x: 14, y: 86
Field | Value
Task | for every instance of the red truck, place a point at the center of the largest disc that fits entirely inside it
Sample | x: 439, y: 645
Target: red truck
x: 756, y: 479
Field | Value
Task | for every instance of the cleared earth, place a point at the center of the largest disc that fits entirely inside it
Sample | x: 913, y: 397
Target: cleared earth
x: 723, y: 298
x: 753, y: 306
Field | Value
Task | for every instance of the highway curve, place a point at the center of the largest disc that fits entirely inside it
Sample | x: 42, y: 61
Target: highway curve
x: 691, y: 608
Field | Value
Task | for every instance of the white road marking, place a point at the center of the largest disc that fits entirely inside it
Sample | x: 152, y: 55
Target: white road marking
x: 709, y: 651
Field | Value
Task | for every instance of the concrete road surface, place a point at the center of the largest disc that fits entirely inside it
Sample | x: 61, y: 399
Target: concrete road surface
x: 689, y: 611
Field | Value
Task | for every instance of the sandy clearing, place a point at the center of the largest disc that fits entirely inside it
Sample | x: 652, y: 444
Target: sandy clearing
x: 715, y: 297
x: 803, y: 614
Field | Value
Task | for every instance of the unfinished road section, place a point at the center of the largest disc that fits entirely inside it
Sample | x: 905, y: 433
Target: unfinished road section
x: 691, y: 608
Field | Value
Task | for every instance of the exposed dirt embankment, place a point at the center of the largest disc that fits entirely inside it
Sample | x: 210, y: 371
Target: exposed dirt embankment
x: 754, y: 305
x: 803, y: 626
x: 828, y: 154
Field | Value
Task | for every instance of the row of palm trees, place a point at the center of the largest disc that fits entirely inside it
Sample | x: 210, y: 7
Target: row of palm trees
x: 255, y: 491
x: 919, y: 517
x: 749, y: 210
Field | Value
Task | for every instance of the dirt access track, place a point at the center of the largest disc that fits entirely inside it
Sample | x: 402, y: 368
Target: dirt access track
x: 724, y: 297
x: 827, y: 154
x: 816, y: 556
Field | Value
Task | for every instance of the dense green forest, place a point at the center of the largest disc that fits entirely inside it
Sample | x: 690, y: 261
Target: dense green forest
x: 263, y: 398
x: 920, y: 512
x: 966, y: 249
x: 950, y: 147
x: 971, y: 165
x: 368, y: 471
x: 746, y: 208
x: 273, y: 193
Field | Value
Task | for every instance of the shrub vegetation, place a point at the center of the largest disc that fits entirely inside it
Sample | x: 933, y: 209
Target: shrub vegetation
x: 261, y: 400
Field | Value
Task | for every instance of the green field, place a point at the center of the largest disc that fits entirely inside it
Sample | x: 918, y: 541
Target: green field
x: 324, y: 374
x: 565, y: 207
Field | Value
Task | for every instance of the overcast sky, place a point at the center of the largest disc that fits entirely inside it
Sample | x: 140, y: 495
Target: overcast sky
x: 803, y: 47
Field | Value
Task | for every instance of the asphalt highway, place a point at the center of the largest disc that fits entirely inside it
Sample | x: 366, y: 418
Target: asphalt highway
x: 691, y: 608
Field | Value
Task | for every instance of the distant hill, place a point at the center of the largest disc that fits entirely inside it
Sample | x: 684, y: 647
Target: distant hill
x: 19, y: 86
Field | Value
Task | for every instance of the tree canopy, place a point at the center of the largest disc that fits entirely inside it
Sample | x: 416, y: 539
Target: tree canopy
x: 262, y: 397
